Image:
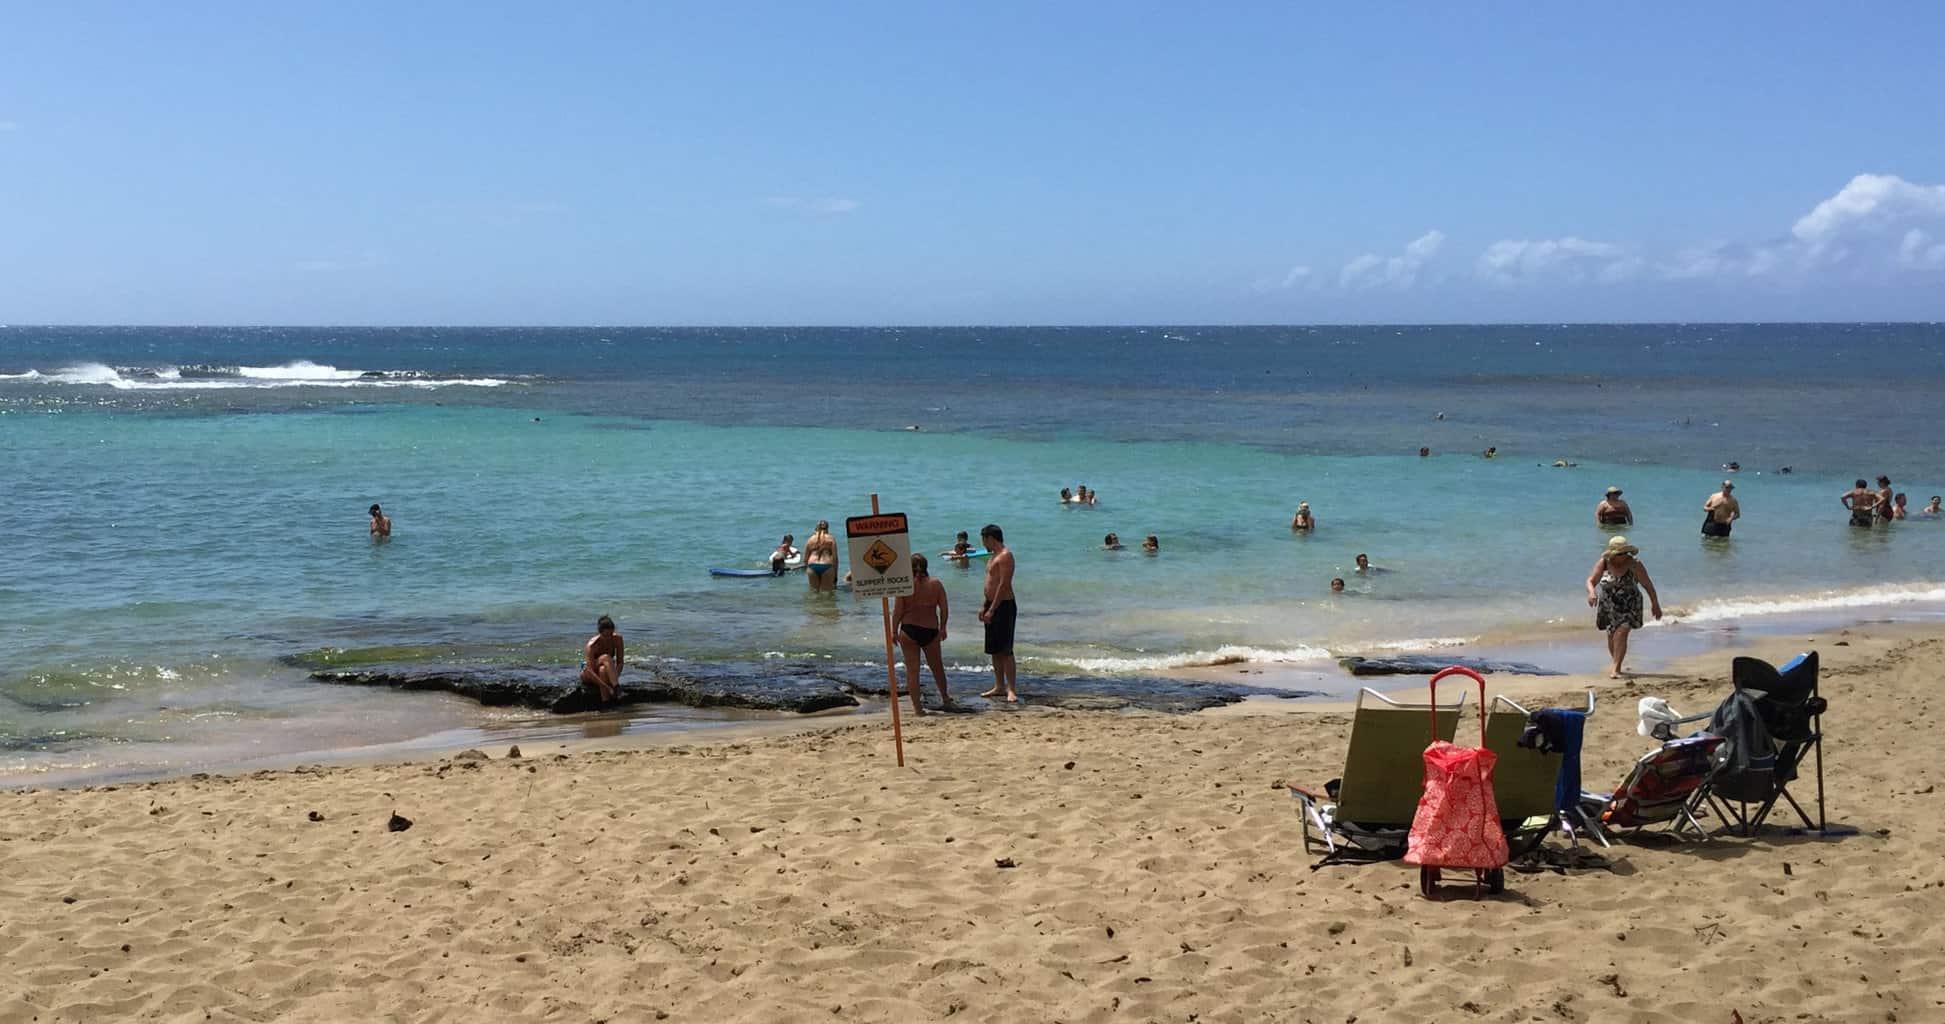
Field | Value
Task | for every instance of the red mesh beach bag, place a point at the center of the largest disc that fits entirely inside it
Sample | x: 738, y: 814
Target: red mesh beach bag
x: 1457, y: 822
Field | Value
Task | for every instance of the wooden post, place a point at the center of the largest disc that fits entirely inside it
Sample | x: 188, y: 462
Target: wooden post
x: 891, y: 667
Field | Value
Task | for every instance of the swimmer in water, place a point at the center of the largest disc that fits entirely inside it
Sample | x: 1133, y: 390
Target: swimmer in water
x: 1720, y: 512
x: 1152, y: 545
x: 1066, y: 496
x: 1862, y: 503
x: 1492, y: 453
x: 820, y: 558
x: 1612, y: 511
x: 381, y: 524
x: 783, y: 555
x: 961, y: 548
x: 1424, y: 453
x: 1364, y: 566
x: 1303, y: 522
x: 1337, y: 585
x: 1934, y: 508
x: 1897, y: 507
x: 1111, y: 542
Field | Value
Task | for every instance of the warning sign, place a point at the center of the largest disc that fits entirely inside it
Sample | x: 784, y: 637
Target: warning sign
x: 881, y: 555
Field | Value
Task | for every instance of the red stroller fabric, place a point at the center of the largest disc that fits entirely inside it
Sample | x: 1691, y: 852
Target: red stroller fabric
x: 1457, y: 822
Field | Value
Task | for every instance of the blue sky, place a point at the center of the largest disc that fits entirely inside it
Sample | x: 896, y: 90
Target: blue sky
x: 993, y: 163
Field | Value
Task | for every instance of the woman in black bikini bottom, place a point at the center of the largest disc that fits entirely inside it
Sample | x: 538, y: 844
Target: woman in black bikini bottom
x: 921, y: 619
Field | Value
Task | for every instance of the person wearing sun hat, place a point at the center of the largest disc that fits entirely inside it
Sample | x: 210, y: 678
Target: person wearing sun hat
x: 1614, y: 592
x: 1612, y: 511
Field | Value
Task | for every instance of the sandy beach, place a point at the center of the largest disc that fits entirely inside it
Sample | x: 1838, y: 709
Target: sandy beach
x: 1027, y: 866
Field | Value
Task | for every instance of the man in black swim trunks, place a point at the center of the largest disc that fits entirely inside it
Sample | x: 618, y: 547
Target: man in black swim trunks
x: 921, y: 619
x: 1720, y: 511
x: 1000, y: 614
x: 1862, y: 503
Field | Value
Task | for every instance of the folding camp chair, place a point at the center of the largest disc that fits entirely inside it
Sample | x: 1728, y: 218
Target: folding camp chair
x: 1366, y: 814
x: 1526, y: 781
x: 1792, y: 713
x: 1664, y: 788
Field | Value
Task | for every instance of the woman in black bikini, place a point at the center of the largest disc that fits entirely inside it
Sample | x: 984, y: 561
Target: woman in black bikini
x: 921, y: 620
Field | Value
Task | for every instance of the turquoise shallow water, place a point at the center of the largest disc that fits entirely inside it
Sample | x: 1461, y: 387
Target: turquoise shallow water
x: 169, y: 540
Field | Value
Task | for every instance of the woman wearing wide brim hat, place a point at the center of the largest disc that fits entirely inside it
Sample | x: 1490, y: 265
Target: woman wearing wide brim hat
x: 1614, y: 592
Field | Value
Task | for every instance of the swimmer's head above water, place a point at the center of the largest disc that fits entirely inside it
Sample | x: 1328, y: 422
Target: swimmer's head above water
x: 1337, y: 585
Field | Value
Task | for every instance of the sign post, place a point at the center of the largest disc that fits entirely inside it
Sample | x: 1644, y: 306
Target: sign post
x: 881, y: 567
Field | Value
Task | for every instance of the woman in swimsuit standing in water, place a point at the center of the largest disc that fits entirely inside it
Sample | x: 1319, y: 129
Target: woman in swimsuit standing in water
x: 921, y: 619
x: 820, y: 558
x: 1614, y: 591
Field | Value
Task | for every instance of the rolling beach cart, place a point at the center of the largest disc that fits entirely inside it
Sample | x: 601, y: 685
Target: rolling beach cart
x: 1457, y: 822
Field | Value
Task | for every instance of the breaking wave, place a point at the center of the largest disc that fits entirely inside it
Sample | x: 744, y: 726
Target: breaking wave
x: 1790, y: 604
x: 301, y: 373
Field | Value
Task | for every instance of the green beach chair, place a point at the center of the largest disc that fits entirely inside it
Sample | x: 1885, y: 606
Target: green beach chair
x: 1524, y: 781
x: 1366, y: 813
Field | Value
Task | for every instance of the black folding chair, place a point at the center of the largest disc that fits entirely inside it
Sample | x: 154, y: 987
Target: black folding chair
x: 1792, y: 712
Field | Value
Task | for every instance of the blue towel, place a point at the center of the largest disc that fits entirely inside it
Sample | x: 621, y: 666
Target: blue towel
x: 1563, y: 730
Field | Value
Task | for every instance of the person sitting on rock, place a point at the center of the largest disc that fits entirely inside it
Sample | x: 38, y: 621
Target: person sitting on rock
x: 602, y: 669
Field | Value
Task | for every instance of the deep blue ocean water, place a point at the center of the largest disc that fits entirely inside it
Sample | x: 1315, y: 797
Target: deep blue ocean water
x: 184, y: 506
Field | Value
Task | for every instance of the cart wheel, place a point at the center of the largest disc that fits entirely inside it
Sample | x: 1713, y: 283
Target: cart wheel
x: 1428, y: 882
x: 1496, y: 881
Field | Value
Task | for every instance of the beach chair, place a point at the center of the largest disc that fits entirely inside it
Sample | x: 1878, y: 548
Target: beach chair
x: 1366, y: 814
x: 1527, y: 783
x: 1790, y: 709
x: 1663, y: 790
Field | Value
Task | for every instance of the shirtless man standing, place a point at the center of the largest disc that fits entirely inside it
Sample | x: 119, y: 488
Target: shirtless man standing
x: 602, y: 668
x: 820, y: 558
x: 1862, y: 502
x: 999, y: 613
x: 921, y: 619
x: 381, y: 524
x: 1720, y: 511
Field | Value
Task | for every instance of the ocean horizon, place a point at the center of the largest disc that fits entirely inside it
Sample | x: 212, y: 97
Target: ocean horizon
x: 190, y: 529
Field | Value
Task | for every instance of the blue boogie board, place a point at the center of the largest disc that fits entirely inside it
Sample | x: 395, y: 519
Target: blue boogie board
x: 742, y: 574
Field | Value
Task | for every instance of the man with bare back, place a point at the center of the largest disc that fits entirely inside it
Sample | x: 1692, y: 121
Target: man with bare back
x: 999, y: 613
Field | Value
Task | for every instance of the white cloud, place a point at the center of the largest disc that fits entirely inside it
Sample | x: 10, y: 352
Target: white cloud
x: 1400, y: 272
x: 825, y: 206
x: 1871, y: 205
x: 1570, y: 259
x: 1299, y: 276
x: 1919, y: 252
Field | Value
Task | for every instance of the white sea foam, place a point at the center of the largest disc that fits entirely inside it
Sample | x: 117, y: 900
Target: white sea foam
x: 302, y: 373
x: 301, y: 370
x: 1791, y: 604
x: 1416, y: 644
